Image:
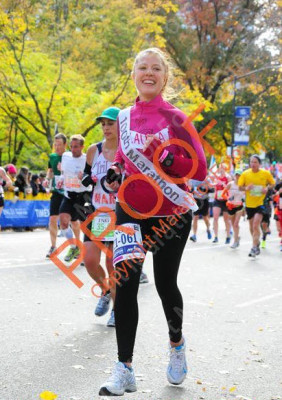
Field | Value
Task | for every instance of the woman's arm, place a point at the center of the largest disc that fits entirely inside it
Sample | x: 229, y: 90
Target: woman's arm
x: 183, y: 163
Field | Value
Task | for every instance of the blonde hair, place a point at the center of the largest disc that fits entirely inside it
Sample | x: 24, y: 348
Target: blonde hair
x: 79, y: 138
x: 167, y: 91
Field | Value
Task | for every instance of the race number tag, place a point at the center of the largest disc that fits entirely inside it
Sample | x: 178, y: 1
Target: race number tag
x: 128, y: 246
x: 99, y: 225
x: 280, y: 203
x: 58, y: 179
x: 219, y: 194
x: 72, y: 182
x: 256, y: 190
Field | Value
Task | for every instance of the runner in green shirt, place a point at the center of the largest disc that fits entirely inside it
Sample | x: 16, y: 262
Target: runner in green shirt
x: 53, y: 176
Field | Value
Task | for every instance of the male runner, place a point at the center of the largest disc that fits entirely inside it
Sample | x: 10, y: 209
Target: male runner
x: 75, y: 194
x: 53, y: 178
x: 255, y: 182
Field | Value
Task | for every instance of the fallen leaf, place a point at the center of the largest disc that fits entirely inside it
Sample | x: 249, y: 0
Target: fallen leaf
x: 199, y: 382
x: 232, y: 389
x: 48, y: 395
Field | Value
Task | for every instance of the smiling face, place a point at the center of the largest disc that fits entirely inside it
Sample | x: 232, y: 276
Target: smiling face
x: 149, y: 76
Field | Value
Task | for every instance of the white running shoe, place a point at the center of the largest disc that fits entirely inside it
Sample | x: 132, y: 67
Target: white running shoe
x: 122, y: 380
x: 177, y: 367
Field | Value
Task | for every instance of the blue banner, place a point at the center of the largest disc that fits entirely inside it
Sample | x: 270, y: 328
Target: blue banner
x: 22, y: 213
x: 242, y: 127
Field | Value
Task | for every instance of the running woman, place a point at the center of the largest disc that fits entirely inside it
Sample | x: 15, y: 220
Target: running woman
x: 52, y: 179
x: 72, y: 206
x: 99, y: 158
x: 219, y: 204
x: 255, y: 182
x: 201, y: 192
x: 147, y: 204
x: 4, y: 181
x: 234, y: 206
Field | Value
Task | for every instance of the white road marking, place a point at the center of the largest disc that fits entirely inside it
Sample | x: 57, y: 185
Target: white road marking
x: 260, y: 300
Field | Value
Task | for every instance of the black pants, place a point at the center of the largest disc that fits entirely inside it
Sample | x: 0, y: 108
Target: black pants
x: 167, y: 246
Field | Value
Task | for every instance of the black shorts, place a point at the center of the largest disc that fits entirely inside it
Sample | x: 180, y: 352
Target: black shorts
x: 55, y: 202
x: 1, y: 201
x: 256, y: 210
x: 203, y: 205
x: 74, y: 206
x: 221, y: 204
x: 234, y: 210
x: 149, y: 227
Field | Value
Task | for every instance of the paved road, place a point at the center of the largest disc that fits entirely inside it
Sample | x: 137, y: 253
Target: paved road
x: 51, y: 341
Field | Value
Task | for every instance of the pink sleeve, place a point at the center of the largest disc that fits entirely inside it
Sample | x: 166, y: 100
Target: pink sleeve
x: 183, y: 165
x: 118, y: 156
x: 183, y: 160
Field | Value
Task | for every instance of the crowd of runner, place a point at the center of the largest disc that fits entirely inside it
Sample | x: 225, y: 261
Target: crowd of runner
x: 90, y: 187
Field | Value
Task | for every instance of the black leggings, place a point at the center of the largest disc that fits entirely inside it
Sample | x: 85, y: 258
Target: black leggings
x: 167, y: 246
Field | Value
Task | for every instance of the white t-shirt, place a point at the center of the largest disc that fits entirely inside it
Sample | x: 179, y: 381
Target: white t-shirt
x: 71, y: 166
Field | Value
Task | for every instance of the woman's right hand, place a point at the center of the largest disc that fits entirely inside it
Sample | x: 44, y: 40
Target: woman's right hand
x: 113, y: 178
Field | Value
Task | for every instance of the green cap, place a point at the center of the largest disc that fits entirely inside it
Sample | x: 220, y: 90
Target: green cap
x: 238, y: 172
x: 110, y: 113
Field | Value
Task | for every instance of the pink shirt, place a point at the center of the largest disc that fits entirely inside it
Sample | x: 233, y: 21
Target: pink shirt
x: 162, y: 119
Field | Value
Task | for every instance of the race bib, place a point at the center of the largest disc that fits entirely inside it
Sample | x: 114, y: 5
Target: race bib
x: 58, y: 178
x: 99, y: 225
x: 128, y: 246
x: 280, y: 203
x: 256, y: 190
x: 72, y: 182
x: 219, y: 195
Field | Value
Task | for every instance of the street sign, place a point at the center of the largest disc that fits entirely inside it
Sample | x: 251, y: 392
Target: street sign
x: 242, y: 128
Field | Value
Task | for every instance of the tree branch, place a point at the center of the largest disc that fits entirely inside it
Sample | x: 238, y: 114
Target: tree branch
x: 123, y: 89
x: 26, y: 83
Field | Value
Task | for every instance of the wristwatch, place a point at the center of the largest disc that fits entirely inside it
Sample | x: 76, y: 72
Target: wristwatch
x: 166, y: 159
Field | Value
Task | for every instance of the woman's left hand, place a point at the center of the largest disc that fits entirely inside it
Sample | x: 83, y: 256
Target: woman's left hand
x: 149, y: 140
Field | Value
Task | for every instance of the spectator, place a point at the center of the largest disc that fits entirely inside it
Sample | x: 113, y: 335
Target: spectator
x: 11, y: 171
x: 36, y: 185
x: 22, y: 180
x: 42, y: 178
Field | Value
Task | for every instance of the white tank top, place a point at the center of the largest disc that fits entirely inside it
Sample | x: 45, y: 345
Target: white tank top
x: 102, y: 197
x: 235, y: 195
